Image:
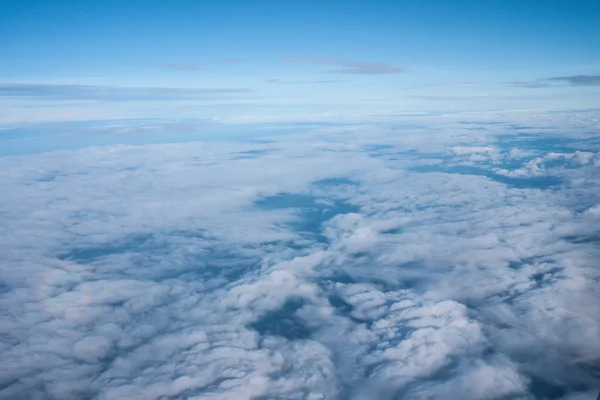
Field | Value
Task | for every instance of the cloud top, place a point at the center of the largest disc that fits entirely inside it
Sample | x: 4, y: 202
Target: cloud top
x: 352, y: 261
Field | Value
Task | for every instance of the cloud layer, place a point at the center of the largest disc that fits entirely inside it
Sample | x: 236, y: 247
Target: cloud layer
x: 345, y: 262
x: 114, y: 93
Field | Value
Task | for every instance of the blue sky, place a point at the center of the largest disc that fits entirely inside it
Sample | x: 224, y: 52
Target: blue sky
x: 294, y: 58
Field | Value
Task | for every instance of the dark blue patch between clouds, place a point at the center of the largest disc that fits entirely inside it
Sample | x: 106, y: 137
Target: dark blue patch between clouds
x: 543, y: 182
x: 312, y: 213
x: 283, y: 322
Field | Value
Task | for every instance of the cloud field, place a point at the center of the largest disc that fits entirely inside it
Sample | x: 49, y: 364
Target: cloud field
x: 434, y: 257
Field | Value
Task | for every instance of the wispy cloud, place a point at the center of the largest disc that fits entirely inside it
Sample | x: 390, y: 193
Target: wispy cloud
x: 575, y: 80
x: 450, y: 84
x: 303, y: 82
x: 150, y: 127
x: 113, y: 93
x: 180, y: 66
x: 350, y: 67
x: 529, y: 85
x: 579, y: 80
x: 194, y: 66
x: 232, y: 61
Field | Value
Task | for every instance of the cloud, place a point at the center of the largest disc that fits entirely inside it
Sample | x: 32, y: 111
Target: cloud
x: 530, y: 85
x: 193, y: 66
x: 303, y: 82
x: 538, y: 166
x: 180, y: 66
x: 594, y: 211
x: 203, y: 270
x: 579, y: 80
x: 582, y: 80
x: 233, y: 61
x: 575, y: 80
x: 150, y: 128
x: 350, y: 67
x: 114, y: 93
x: 450, y: 84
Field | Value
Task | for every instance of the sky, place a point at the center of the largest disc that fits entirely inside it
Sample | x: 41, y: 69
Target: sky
x: 230, y: 59
x: 298, y: 200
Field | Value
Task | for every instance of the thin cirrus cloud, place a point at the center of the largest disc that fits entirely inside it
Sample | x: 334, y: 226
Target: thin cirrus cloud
x: 579, y: 80
x: 180, y: 66
x: 192, y: 66
x: 576, y: 80
x: 114, y: 93
x: 573, y: 80
x: 303, y: 82
x: 350, y: 67
x: 529, y: 85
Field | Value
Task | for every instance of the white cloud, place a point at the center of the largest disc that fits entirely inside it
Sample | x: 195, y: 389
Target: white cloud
x: 538, y: 166
x: 197, y: 271
x: 594, y: 211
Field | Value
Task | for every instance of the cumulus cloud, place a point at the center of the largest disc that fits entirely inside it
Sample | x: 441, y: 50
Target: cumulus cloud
x: 594, y: 211
x: 538, y: 165
x: 321, y: 265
